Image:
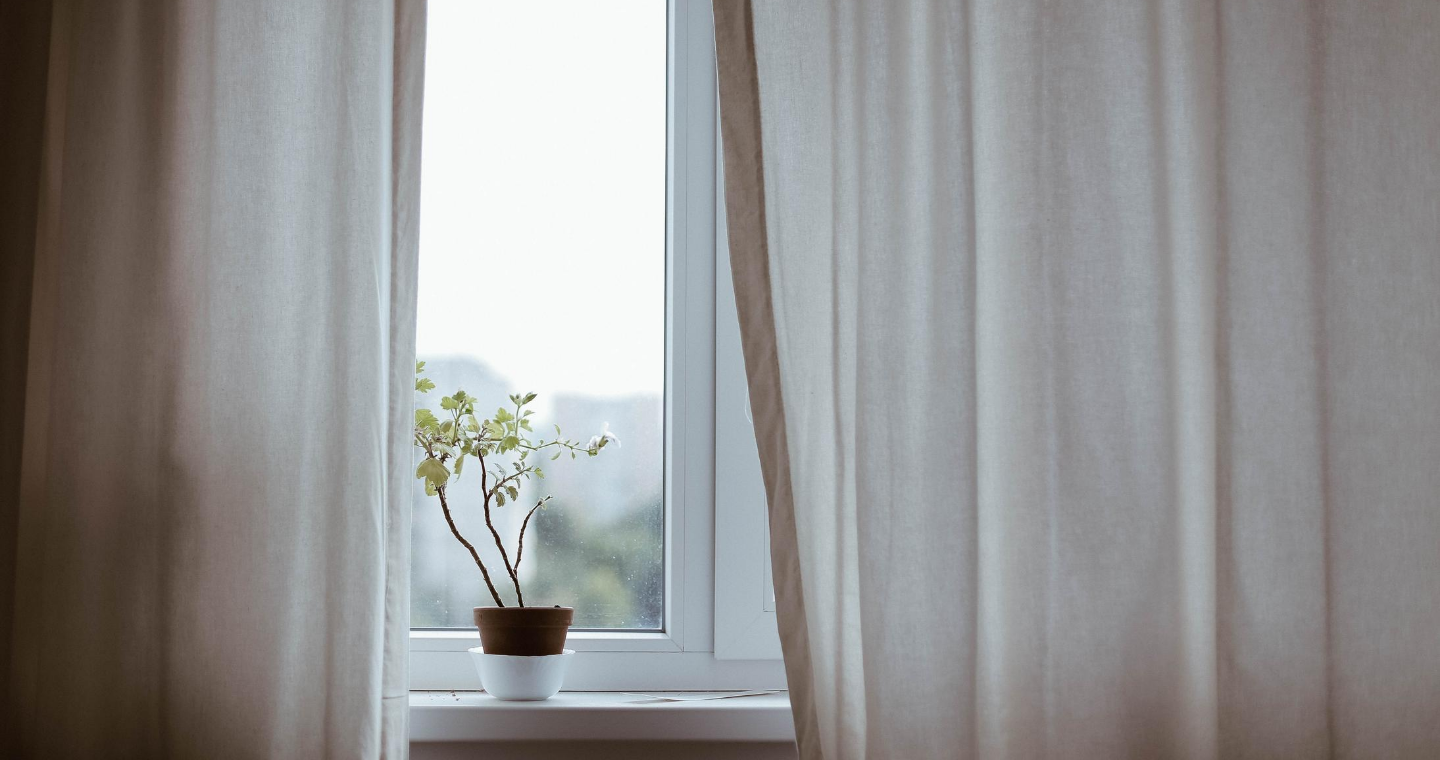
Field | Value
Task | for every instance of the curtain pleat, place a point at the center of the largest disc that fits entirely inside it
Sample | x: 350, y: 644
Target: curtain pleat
x: 211, y: 516
x: 24, y: 59
x: 1106, y: 352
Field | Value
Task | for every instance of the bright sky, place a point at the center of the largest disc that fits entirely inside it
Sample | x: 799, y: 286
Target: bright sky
x: 542, y: 225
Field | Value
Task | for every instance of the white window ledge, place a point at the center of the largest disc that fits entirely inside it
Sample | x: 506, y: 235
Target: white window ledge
x: 470, y: 716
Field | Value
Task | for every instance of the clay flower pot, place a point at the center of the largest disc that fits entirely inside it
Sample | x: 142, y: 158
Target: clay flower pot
x: 523, y: 631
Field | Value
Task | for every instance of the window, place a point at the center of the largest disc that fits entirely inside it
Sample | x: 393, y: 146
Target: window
x: 570, y: 156
x: 542, y: 268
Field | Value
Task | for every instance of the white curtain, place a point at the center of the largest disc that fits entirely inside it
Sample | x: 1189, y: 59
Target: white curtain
x: 209, y: 270
x: 1095, y: 357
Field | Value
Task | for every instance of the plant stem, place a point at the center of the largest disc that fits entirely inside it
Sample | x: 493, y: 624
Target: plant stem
x: 484, y: 489
x: 520, y: 547
x: 566, y: 444
x: 506, y: 479
x: 444, y: 505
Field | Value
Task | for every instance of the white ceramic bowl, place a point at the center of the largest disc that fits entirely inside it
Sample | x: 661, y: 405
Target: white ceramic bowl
x: 521, y: 679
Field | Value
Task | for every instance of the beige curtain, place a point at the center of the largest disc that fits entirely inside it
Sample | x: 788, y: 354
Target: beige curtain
x: 1095, y: 356
x: 209, y: 280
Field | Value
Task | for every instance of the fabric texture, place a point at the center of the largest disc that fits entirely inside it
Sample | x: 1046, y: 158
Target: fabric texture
x: 216, y: 252
x: 1096, y: 371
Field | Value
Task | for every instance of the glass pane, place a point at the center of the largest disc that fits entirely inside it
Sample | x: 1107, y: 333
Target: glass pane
x: 542, y: 268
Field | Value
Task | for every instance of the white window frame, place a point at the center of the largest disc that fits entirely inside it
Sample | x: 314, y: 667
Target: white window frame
x: 745, y: 625
x: 715, y: 624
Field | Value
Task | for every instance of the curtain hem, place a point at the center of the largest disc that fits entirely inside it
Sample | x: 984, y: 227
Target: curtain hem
x: 750, y: 264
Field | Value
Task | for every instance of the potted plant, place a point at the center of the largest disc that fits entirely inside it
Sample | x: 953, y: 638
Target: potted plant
x: 502, y: 449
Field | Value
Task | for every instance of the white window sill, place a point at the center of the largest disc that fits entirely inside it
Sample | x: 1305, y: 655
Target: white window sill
x: 470, y: 716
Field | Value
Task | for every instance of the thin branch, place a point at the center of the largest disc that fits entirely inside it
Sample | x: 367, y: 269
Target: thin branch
x: 520, y: 548
x: 515, y: 579
x: 444, y: 505
x: 571, y: 445
x: 507, y: 478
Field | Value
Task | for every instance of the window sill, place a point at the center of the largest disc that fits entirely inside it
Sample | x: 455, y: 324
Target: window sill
x: 461, y: 716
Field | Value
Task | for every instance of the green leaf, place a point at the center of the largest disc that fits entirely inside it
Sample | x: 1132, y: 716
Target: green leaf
x: 448, y: 402
x: 503, y: 416
x: 424, y: 418
x: 499, y: 499
x: 509, y: 442
x: 433, y: 472
x: 528, y: 398
x: 513, y: 491
x: 556, y: 455
x: 419, y: 366
x: 459, y: 464
x: 424, y: 384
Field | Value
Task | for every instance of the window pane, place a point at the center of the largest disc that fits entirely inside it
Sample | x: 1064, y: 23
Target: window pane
x: 542, y: 268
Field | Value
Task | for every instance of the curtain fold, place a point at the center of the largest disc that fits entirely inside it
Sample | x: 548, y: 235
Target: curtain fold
x: 1095, y: 355
x: 210, y: 514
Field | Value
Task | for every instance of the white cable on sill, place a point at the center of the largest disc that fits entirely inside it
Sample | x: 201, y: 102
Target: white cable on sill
x: 652, y: 698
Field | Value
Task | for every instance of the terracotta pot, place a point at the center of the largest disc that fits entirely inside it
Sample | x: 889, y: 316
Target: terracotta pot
x: 523, y: 631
